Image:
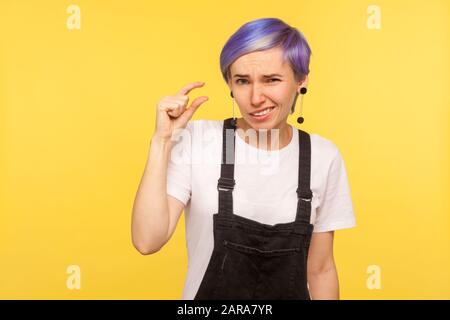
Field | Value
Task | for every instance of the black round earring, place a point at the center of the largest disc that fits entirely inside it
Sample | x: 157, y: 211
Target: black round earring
x: 233, y: 120
x: 300, y: 119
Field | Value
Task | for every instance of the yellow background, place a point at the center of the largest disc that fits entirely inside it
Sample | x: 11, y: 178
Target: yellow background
x: 78, y: 111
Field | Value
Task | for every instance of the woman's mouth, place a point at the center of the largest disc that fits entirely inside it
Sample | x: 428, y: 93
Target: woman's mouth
x: 263, y: 114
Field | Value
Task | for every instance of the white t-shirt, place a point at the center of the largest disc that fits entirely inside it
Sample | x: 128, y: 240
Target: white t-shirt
x: 265, y: 190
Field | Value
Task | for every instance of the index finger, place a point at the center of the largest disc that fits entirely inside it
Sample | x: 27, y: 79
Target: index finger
x: 186, y: 89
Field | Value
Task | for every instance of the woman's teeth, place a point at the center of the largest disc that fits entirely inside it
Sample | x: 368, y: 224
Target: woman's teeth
x: 265, y: 111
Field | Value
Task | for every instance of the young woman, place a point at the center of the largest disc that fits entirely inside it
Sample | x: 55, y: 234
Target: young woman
x: 261, y: 198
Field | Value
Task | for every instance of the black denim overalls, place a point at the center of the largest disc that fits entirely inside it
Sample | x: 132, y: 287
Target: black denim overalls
x: 252, y: 260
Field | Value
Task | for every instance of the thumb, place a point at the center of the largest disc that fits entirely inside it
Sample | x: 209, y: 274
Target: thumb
x: 188, y: 113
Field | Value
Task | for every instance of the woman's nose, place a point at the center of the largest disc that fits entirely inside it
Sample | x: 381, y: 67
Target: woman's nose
x: 257, y: 95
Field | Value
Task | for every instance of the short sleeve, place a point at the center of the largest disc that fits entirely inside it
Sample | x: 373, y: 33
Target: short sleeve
x: 336, y: 209
x: 179, y: 165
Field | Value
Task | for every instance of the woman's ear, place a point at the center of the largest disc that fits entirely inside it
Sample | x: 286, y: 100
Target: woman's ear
x: 304, y: 82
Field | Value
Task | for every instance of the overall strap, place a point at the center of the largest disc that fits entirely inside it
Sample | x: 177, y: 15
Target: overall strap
x: 304, y: 193
x: 226, y: 182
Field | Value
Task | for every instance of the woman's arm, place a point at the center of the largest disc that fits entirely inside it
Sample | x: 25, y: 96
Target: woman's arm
x: 155, y: 214
x: 322, y: 275
x: 150, y: 219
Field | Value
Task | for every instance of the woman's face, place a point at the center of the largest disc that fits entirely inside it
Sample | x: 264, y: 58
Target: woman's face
x: 261, y: 80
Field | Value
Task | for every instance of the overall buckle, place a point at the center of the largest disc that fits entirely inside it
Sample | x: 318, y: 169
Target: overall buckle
x: 225, y: 184
x: 305, y: 195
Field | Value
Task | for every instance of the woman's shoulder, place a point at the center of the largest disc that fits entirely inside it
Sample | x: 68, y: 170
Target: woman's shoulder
x: 202, y: 128
x: 323, y: 148
x: 205, y: 124
x: 204, y: 132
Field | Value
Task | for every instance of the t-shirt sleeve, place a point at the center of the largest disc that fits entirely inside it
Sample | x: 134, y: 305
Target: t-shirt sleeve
x: 179, y: 165
x: 336, y: 209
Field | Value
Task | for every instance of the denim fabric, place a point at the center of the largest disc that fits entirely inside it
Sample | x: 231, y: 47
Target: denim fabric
x: 252, y: 260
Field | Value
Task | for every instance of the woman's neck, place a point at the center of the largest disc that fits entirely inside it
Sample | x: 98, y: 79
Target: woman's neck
x: 276, y: 139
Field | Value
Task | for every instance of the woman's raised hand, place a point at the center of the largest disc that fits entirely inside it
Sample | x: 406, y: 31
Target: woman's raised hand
x: 171, y: 111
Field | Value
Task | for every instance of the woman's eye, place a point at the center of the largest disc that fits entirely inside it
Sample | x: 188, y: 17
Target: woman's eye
x: 270, y: 80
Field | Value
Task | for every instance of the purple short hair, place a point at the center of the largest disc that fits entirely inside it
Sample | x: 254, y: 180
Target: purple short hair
x: 263, y: 34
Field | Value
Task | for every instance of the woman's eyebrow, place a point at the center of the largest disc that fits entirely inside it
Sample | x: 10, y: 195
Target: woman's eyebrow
x: 265, y: 75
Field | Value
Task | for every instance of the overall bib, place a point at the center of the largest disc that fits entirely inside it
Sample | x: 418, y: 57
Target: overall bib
x: 252, y: 260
